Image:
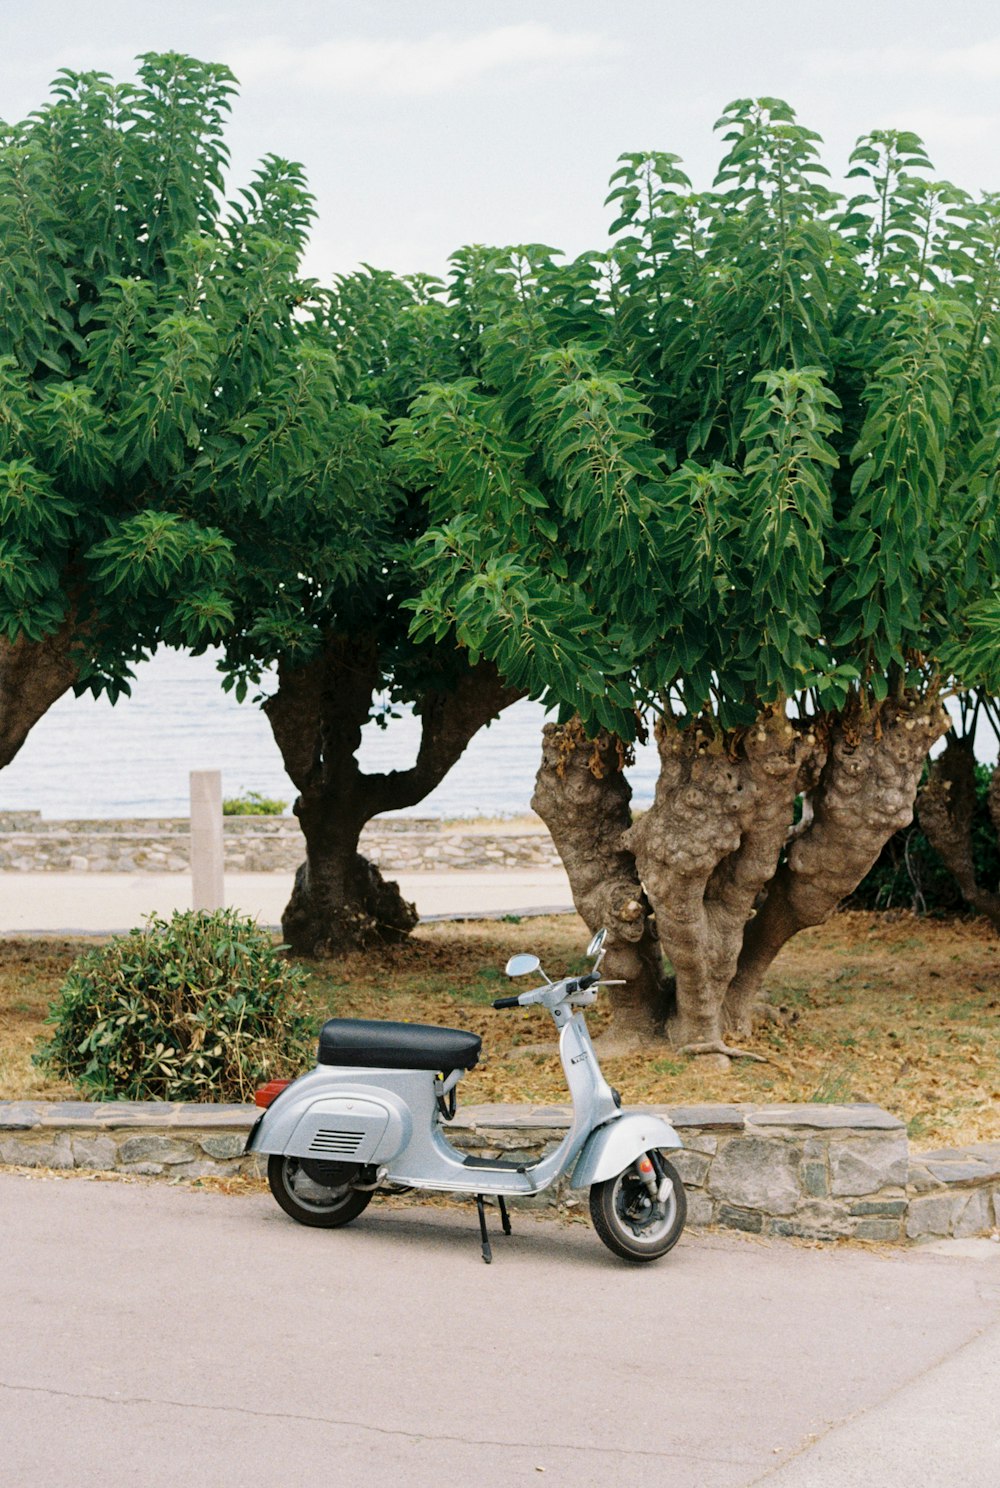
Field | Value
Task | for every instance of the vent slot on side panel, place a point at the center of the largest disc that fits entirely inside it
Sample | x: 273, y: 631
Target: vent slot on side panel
x: 336, y: 1141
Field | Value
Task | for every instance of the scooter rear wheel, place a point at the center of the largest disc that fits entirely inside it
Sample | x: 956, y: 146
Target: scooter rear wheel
x: 310, y: 1203
x: 630, y: 1223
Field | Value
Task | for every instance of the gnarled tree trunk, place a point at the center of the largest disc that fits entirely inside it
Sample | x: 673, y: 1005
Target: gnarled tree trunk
x: 946, y: 808
x: 33, y: 675
x: 727, y: 876
x: 340, y: 900
x: 864, y: 793
x: 707, y: 848
x: 582, y: 796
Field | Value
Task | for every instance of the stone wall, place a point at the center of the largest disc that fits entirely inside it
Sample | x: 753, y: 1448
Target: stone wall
x: 815, y: 1171
x: 261, y: 844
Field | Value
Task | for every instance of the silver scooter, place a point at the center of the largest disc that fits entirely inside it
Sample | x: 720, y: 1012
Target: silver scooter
x: 371, y: 1117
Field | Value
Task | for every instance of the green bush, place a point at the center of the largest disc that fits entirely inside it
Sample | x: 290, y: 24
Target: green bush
x: 201, y: 1008
x: 252, y: 803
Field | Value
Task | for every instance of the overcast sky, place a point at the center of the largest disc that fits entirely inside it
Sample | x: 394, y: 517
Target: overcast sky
x: 425, y: 124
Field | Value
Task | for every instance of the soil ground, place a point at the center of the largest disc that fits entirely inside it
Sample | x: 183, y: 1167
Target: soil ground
x: 889, y: 1008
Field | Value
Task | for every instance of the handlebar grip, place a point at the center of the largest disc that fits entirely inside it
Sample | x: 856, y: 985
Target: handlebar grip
x: 590, y: 980
x: 506, y: 1002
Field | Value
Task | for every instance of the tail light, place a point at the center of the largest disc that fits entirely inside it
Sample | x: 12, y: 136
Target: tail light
x: 269, y: 1092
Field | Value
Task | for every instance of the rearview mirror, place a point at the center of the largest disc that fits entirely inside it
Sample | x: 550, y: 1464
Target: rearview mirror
x: 521, y: 965
x: 597, y: 944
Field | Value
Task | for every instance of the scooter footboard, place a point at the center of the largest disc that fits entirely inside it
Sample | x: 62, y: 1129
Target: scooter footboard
x: 609, y: 1150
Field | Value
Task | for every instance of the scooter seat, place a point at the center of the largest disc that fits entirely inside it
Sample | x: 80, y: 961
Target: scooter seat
x: 369, y: 1043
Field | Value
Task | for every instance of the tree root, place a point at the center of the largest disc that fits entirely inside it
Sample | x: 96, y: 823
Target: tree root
x: 717, y: 1046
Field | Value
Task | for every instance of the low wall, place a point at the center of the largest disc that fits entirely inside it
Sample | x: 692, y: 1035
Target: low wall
x: 815, y: 1171
x: 260, y: 844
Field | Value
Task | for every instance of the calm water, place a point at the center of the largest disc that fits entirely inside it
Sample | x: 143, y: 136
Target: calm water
x: 86, y: 758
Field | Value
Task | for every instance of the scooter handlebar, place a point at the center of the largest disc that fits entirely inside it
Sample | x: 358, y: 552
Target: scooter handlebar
x: 506, y: 1002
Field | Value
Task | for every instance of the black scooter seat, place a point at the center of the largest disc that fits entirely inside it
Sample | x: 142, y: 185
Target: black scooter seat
x: 369, y: 1043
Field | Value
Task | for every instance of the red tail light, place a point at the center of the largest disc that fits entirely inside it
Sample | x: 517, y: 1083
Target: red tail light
x: 269, y: 1092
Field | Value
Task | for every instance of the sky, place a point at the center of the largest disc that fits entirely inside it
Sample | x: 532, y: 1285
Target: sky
x: 427, y: 124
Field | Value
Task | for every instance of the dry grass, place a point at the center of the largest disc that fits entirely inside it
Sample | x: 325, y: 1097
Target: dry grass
x: 887, y: 1008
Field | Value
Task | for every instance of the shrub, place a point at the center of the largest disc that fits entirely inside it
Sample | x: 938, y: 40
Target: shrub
x: 203, y: 1007
x: 252, y: 803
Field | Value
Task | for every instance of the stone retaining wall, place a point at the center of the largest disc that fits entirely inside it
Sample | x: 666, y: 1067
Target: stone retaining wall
x: 259, y: 844
x: 815, y: 1171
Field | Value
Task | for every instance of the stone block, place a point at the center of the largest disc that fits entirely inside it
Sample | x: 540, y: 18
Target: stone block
x: 918, y: 1180
x: 707, y: 1118
x: 201, y: 1168
x: 957, y: 1171
x: 862, y: 1116
x: 701, y: 1210
x: 812, y: 1221
x: 866, y: 1164
x: 692, y: 1166
x: 815, y: 1181
x: 98, y: 1152
x: 48, y: 1150
x: 756, y: 1173
x: 223, y: 1145
x: 154, y: 1149
x: 17, y: 1116
x: 700, y: 1142
x: 732, y: 1218
x: 873, y: 1208
x: 975, y: 1217
x: 932, y: 1216
x: 878, y: 1229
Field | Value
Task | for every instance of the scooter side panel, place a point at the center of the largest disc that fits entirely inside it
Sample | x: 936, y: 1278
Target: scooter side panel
x: 610, y: 1149
x: 333, y: 1101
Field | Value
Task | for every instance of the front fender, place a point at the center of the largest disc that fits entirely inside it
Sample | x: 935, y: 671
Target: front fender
x: 610, y: 1149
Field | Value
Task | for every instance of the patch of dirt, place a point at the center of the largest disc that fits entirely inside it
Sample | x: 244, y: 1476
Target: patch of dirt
x: 889, y: 1008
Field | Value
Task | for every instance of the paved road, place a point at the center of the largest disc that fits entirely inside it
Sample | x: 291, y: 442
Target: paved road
x: 94, y: 902
x: 157, y: 1336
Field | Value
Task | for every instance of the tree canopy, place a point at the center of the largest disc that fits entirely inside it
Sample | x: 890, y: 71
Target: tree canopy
x: 159, y: 366
x: 748, y: 452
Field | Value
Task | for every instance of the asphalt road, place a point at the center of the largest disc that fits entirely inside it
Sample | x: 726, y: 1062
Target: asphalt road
x: 158, y: 1336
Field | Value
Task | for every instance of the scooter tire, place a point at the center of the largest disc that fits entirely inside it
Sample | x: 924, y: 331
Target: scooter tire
x: 343, y: 1205
x: 610, y: 1202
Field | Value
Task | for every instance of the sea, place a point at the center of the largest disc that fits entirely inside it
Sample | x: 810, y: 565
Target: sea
x: 86, y: 758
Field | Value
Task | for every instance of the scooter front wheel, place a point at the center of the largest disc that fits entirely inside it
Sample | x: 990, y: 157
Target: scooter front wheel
x: 311, y: 1203
x: 628, y: 1219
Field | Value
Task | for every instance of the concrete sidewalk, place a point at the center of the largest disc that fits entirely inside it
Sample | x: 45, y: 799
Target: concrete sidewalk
x: 158, y: 1336
x: 93, y: 902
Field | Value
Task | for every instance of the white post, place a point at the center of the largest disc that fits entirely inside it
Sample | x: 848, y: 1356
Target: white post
x: 207, y: 890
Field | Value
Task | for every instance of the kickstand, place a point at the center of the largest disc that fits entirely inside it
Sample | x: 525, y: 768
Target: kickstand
x: 487, y: 1253
x: 504, y: 1216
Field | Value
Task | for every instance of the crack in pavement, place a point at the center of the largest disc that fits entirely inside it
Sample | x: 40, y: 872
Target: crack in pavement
x: 682, y: 1453
x: 814, y: 1438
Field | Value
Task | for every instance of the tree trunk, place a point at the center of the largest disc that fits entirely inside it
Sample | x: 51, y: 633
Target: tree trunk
x: 864, y: 793
x: 583, y: 797
x: 708, y: 853
x: 946, y: 808
x: 340, y: 900
x: 706, y: 849
x: 33, y: 675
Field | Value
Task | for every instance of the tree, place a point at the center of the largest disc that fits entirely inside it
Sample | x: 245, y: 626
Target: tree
x: 325, y: 604
x: 743, y: 472
x: 193, y: 449
x: 142, y: 319
x: 959, y: 803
